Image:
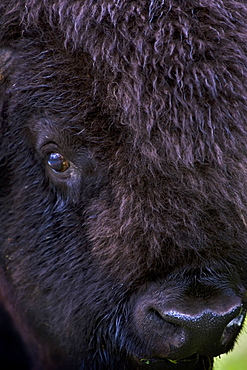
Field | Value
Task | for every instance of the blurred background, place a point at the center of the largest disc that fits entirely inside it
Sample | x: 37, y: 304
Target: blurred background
x: 237, y: 359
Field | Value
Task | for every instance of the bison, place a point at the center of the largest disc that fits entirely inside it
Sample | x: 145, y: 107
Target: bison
x: 123, y: 186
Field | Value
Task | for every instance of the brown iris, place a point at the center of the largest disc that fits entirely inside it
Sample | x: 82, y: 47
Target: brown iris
x: 57, y: 162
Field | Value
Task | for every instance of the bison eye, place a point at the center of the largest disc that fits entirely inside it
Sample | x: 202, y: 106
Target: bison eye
x: 57, y: 162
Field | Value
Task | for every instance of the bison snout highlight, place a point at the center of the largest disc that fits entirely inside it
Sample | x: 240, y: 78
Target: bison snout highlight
x: 176, y: 326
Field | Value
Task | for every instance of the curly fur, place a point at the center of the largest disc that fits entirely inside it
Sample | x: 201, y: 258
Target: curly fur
x: 148, y: 99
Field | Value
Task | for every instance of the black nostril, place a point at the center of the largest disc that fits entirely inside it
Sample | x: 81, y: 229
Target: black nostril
x: 177, y: 332
x: 232, y: 327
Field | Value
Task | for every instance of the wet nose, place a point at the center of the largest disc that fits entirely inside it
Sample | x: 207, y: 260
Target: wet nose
x: 177, y: 330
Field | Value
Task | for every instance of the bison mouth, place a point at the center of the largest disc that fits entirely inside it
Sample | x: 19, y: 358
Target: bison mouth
x: 194, y: 362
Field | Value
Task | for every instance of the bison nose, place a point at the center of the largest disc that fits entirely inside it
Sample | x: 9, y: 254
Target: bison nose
x: 177, y: 330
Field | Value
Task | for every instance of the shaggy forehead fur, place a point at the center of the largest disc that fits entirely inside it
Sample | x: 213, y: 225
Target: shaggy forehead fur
x: 172, y: 75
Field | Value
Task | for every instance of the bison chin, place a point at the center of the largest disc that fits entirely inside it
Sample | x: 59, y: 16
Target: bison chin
x: 194, y: 362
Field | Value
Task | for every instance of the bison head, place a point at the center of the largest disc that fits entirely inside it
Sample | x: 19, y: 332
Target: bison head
x: 123, y: 187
